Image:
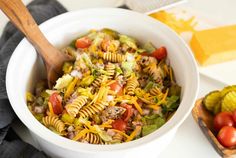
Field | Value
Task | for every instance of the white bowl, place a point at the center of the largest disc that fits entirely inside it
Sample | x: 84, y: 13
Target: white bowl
x: 25, y: 69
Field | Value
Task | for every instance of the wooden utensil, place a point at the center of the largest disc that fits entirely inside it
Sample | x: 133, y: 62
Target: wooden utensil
x: 205, y: 121
x: 22, y: 19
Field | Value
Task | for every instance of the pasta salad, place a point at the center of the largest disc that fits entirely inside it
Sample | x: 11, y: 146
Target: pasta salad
x: 116, y: 90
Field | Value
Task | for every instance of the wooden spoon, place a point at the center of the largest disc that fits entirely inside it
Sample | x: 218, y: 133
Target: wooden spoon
x: 22, y: 19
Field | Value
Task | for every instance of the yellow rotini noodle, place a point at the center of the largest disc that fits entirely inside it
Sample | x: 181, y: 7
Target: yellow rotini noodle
x: 53, y: 121
x: 110, y: 68
x: 74, y: 107
x: 88, y: 111
x: 92, y: 138
x: 114, y: 57
x: 155, y: 91
x: 98, y: 81
x: 131, y: 85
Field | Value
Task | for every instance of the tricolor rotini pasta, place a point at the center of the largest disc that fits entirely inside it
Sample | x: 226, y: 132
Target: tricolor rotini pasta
x: 117, y: 90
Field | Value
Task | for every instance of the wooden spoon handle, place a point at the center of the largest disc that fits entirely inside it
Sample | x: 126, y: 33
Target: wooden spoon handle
x: 22, y: 19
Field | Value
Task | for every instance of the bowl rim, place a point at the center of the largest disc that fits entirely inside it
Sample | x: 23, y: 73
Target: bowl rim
x: 57, y: 140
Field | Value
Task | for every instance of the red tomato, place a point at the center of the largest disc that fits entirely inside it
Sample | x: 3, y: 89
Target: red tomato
x: 83, y: 42
x: 128, y: 113
x: 234, y: 115
x: 227, y: 136
x: 160, y: 53
x: 223, y: 119
x: 146, y: 54
x: 116, y: 87
x: 55, y: 99
x: 119, y: 125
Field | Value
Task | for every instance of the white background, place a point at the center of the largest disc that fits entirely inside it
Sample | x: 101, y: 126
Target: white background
x: 189, y: 141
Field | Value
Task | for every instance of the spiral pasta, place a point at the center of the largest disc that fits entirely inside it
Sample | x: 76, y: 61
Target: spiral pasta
x: 98, y: 81
x: 115, y: 91
x: 113, y: 57
x: 88, y: 111
x: 118, y: 137
x: 53, y: 121
x: 92, y: 138
x: 131, y: 85
x: 110, y: 68
x: 155, y: 91
x: 154, y: 71
x: 74, y: 107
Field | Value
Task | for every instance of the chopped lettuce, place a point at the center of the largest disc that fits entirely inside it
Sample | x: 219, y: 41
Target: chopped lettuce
x: 118, y: 71
x: 98, y: 38
x: 130, y: 57
x: 175, y: 90
x: 149, y: 85
x: 103, y: 134
x: 87, y: 60
x: 171, y: 104
x: 149, y: 47
x: 63, y: 82
x: 128, y: 67
x: 147, y: 129
x: 130, y: 42
x: 151, y: 123
x: 110, y: 32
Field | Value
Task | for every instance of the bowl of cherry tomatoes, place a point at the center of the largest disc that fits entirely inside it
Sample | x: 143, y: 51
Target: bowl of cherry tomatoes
x: 216, y: 116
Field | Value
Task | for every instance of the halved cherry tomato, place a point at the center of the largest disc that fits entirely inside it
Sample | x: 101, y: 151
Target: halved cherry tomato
x: 128, y: 113
x: 227, y: 136
x: 116, y: 87
x: 234, y: 116
x: 160, y: 53
x: 223, y: 119
x: 83, y: 42
x: 119, y: 124
x: 146, y: 54
x: 55, y: 99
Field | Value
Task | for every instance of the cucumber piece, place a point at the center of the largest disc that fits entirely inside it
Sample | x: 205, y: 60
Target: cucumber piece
x: 228, y: 89
x: 229, y: 101
x: 211, y: 100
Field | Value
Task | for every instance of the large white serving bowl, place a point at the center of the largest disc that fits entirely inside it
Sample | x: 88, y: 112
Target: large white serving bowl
x: 25, y: 69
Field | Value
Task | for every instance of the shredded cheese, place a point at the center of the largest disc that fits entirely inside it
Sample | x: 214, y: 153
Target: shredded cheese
x: 120, y: 132
x: 134, y: 134
x: 50, y: 108
x: 137, y: 106
x: 164, y: 98
x: 81, y: 134
x: 180, y: 25
x: 70, y: 88
x: 154, y: 107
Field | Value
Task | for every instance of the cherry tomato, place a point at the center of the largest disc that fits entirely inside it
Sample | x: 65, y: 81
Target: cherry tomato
x: 119, y: 124
x: 55, y: 99
x: 160, y: 53
x: 116, y: 87
x: 234, y: 115
x: 128, y: 113
x: 223, y: 119
x: 146, y: 54
x: 227, y: 136
x: 83, y: 42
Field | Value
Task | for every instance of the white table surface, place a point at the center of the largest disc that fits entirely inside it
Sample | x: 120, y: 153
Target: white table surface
x: 189, y: 140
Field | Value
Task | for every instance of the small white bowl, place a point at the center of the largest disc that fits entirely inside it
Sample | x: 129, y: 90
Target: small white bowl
x: 25, y: 69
